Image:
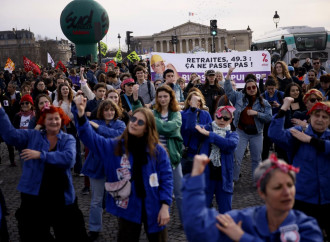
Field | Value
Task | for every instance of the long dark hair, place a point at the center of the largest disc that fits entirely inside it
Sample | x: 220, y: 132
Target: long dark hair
x: 216, y: 84
x: 151, y: 134
x: 258, y: 96
x: 300, y: 97
x: 173, y: 106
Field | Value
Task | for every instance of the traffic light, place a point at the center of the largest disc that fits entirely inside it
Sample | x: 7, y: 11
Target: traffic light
x: 213, y: 27
x: 174, y: 39
x: 128, y: 37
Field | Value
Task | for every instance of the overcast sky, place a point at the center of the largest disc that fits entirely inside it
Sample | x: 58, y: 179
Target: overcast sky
x: 148, y: 17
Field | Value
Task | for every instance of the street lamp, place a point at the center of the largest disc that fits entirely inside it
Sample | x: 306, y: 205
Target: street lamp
x: 249, y: 34
x: 276, y: 18
x: 140, y: 47
x: 234, y: 38
x: 119, y: 40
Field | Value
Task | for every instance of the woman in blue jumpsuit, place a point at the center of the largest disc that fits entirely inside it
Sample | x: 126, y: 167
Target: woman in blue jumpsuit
x: 275, y: 221
x: 220, y: 145
x: 310, y: 150
x: 47, y: 194
x: 135, y: 156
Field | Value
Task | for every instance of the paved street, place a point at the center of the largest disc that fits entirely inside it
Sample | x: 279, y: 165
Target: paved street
x: 244, y: 195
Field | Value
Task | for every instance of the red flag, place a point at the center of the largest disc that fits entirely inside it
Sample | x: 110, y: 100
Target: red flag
x: 31, y: 66
x: 60, y: 64
x: 107, y: 64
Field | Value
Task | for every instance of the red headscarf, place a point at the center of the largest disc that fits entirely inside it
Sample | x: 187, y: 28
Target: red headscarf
x: 319, y: 106
x: 277, y: 164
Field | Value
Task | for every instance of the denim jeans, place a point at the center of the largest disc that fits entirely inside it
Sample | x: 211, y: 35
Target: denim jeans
x: 96, y: 210
x: 255, y: 144
x: 177, y: 183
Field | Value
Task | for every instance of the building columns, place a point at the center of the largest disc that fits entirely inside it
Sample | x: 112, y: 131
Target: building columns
x: 181, y: 51
x: 206, y: 44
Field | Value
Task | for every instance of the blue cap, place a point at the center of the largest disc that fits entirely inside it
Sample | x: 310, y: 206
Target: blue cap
x: 291, y: 68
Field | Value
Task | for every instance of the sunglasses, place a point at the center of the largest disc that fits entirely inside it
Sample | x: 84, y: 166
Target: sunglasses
x: 130, y: 84
x: 223, y: 117
x: 316, y: 63
x: 25, y: 103
x: 251, y: 87
x: 313, y: 100
x: 133, y: 119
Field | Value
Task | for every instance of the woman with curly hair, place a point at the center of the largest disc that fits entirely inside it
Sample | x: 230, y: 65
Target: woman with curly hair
x: 282, y: 75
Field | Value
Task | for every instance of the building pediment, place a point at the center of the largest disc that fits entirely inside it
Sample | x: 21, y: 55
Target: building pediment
x: 187, y: 29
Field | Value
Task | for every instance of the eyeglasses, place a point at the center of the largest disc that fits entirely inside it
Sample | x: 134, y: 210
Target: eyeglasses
x: 130, y: 84
x: 316, y: 63
x: 251, y: 87
x: 25, y: 103
x: 313, y: 100
x: 133, y: 119
x: 223, y: 117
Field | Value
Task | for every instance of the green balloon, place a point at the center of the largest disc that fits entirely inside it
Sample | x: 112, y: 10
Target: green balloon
x: 85, y: 22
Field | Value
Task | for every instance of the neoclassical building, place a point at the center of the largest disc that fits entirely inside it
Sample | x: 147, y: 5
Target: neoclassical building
x: 192, y: 37
x: 18, y: 43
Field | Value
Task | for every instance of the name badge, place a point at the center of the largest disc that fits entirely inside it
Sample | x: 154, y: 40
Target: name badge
x: 289, y: 233
x: 153, y: 180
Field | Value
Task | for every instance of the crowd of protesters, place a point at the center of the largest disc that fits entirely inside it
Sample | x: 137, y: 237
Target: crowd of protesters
x: 142, y: 142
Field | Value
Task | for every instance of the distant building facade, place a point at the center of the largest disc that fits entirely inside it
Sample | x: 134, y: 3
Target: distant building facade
x: 18, y: 43
x: 192, y: 37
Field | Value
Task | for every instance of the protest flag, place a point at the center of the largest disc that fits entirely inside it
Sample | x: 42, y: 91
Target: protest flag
x: 133, y: 56
x: 104, y: 48
x: 31, y: 66
x: 60, y: 65
x: 10, y: 65
x: 119, y: 57
x: 50, y: 60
